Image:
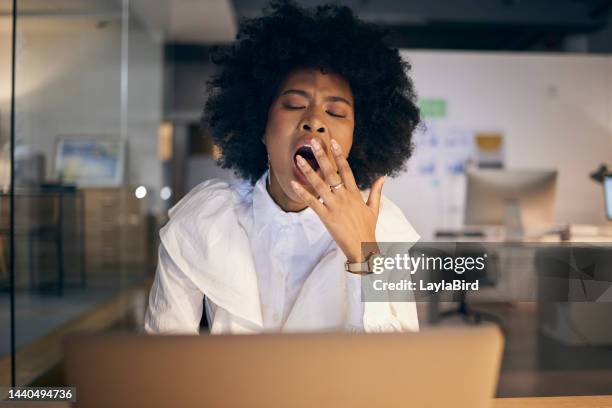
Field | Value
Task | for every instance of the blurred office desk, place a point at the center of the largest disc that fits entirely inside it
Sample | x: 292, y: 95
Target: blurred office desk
x: 573, y: 233
x: 596, y: 401
x: 51, y: 214
x: 516, y: 273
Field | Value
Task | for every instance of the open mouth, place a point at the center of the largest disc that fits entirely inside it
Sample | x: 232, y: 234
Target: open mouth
x: 308, y: 155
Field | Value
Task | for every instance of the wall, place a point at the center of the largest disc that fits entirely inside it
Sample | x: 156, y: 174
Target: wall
x: 69, y: 83
x: 6, y: 27
x: 554, y: 112
x: 145, y: 111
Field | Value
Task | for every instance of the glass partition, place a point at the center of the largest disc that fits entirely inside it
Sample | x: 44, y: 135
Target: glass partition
x: 87, y: 175
x: 6, y: 72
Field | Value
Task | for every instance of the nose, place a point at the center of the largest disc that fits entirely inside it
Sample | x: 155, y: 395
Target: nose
x: 312, y: 124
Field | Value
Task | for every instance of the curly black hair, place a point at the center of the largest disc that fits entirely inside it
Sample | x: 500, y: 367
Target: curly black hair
x: 329, y: 38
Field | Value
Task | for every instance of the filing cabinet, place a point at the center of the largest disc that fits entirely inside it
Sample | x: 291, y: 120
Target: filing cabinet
x: 115, y: 230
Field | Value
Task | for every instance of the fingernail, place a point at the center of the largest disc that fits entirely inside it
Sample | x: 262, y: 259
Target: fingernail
x: 335, y: 146
x: 295, y: 185
x: 301, y: 160
x: 315, y: 144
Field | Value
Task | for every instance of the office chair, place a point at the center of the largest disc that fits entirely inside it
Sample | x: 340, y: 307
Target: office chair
x: 486, y: 277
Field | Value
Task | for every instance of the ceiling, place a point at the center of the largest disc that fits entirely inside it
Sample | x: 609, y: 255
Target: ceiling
x: 473, y: 24
x: 176, y: 21
x: 189, y: 21
x: 517, y: 25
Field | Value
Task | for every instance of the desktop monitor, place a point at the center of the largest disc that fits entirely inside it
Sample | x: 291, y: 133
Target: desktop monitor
x: 608, y: 193
x: 520, y: 200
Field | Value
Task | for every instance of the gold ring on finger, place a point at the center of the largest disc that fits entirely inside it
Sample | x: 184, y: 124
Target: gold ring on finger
x: 336, y: 186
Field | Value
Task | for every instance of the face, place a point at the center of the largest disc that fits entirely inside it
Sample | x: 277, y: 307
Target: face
x: 309, y: 104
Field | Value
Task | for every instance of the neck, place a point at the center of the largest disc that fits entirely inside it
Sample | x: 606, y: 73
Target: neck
x: 280, y: 198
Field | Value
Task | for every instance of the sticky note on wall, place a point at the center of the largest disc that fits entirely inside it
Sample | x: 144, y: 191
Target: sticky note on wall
x: 489, y: 150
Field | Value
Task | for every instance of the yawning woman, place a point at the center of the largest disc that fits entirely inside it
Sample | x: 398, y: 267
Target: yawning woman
x: 311, y: 110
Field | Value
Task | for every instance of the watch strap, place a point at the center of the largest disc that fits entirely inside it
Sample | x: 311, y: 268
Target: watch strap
x: 360, y: 268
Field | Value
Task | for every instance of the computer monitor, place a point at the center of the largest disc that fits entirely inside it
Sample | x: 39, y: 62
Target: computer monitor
x: 608, y: 193
x: 520, y: 200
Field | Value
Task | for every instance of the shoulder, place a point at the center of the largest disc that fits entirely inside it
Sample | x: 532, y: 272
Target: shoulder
x: 392, y: 225
x: 209, y: 198
x: 209, y: 205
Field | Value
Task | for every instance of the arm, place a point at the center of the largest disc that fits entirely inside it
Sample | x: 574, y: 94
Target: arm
x: 378, y: 317
x: 351, y: 222
x: 175, y: 303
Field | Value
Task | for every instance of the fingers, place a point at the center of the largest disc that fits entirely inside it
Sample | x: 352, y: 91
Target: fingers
x: 343, y: 167
x: 309, y: 199
x: 375, y: 194
x: 321, y: 187
x: 329, y: 172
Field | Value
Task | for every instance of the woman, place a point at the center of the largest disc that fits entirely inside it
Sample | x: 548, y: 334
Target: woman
x: 311, y: 110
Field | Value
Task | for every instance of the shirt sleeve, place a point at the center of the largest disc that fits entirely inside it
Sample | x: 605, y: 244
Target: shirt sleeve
x: 380, y: 316
x: 355, y: 305
x: 175, y: 303
x: 384, y: 316
x: 390, y: 317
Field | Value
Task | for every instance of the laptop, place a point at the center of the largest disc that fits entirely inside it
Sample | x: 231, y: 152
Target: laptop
x: 433, y: 368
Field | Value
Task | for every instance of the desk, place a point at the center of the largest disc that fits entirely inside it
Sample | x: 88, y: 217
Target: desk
x: 52, y: 214
x: 603, y: 401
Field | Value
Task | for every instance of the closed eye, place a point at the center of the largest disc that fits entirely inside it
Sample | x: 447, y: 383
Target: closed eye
x: 335, y: 115
x: 289, y: 106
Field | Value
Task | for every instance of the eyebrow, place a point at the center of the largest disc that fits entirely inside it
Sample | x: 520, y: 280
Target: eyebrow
x: 309, y: 96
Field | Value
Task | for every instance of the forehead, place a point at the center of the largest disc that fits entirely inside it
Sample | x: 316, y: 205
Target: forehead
x: 314, y: 80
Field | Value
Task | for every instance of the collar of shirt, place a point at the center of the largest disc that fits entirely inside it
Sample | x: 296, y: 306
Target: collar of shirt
x: 266, y: 212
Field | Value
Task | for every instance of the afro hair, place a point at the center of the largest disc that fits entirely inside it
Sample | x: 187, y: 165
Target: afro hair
x: 330, y: 38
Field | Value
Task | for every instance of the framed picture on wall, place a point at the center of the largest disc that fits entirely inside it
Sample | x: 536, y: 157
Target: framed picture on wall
x: 90, y: 161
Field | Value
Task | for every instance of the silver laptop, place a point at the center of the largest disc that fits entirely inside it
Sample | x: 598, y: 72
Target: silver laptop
x: 434, y: 368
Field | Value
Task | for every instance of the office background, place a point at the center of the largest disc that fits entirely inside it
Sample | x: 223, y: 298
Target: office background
x: 107, y: 98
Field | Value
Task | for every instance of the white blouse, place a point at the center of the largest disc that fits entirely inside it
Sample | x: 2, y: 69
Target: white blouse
x: 263, y: 269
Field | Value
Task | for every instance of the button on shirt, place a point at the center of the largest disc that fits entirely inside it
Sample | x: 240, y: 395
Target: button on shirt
x: 263, y: 269
x: 286, y: 246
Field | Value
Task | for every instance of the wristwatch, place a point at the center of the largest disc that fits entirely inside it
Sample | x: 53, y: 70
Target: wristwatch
x: 363, y: 268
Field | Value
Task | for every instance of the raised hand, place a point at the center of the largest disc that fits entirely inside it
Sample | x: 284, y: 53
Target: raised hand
x: 349, y: 219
